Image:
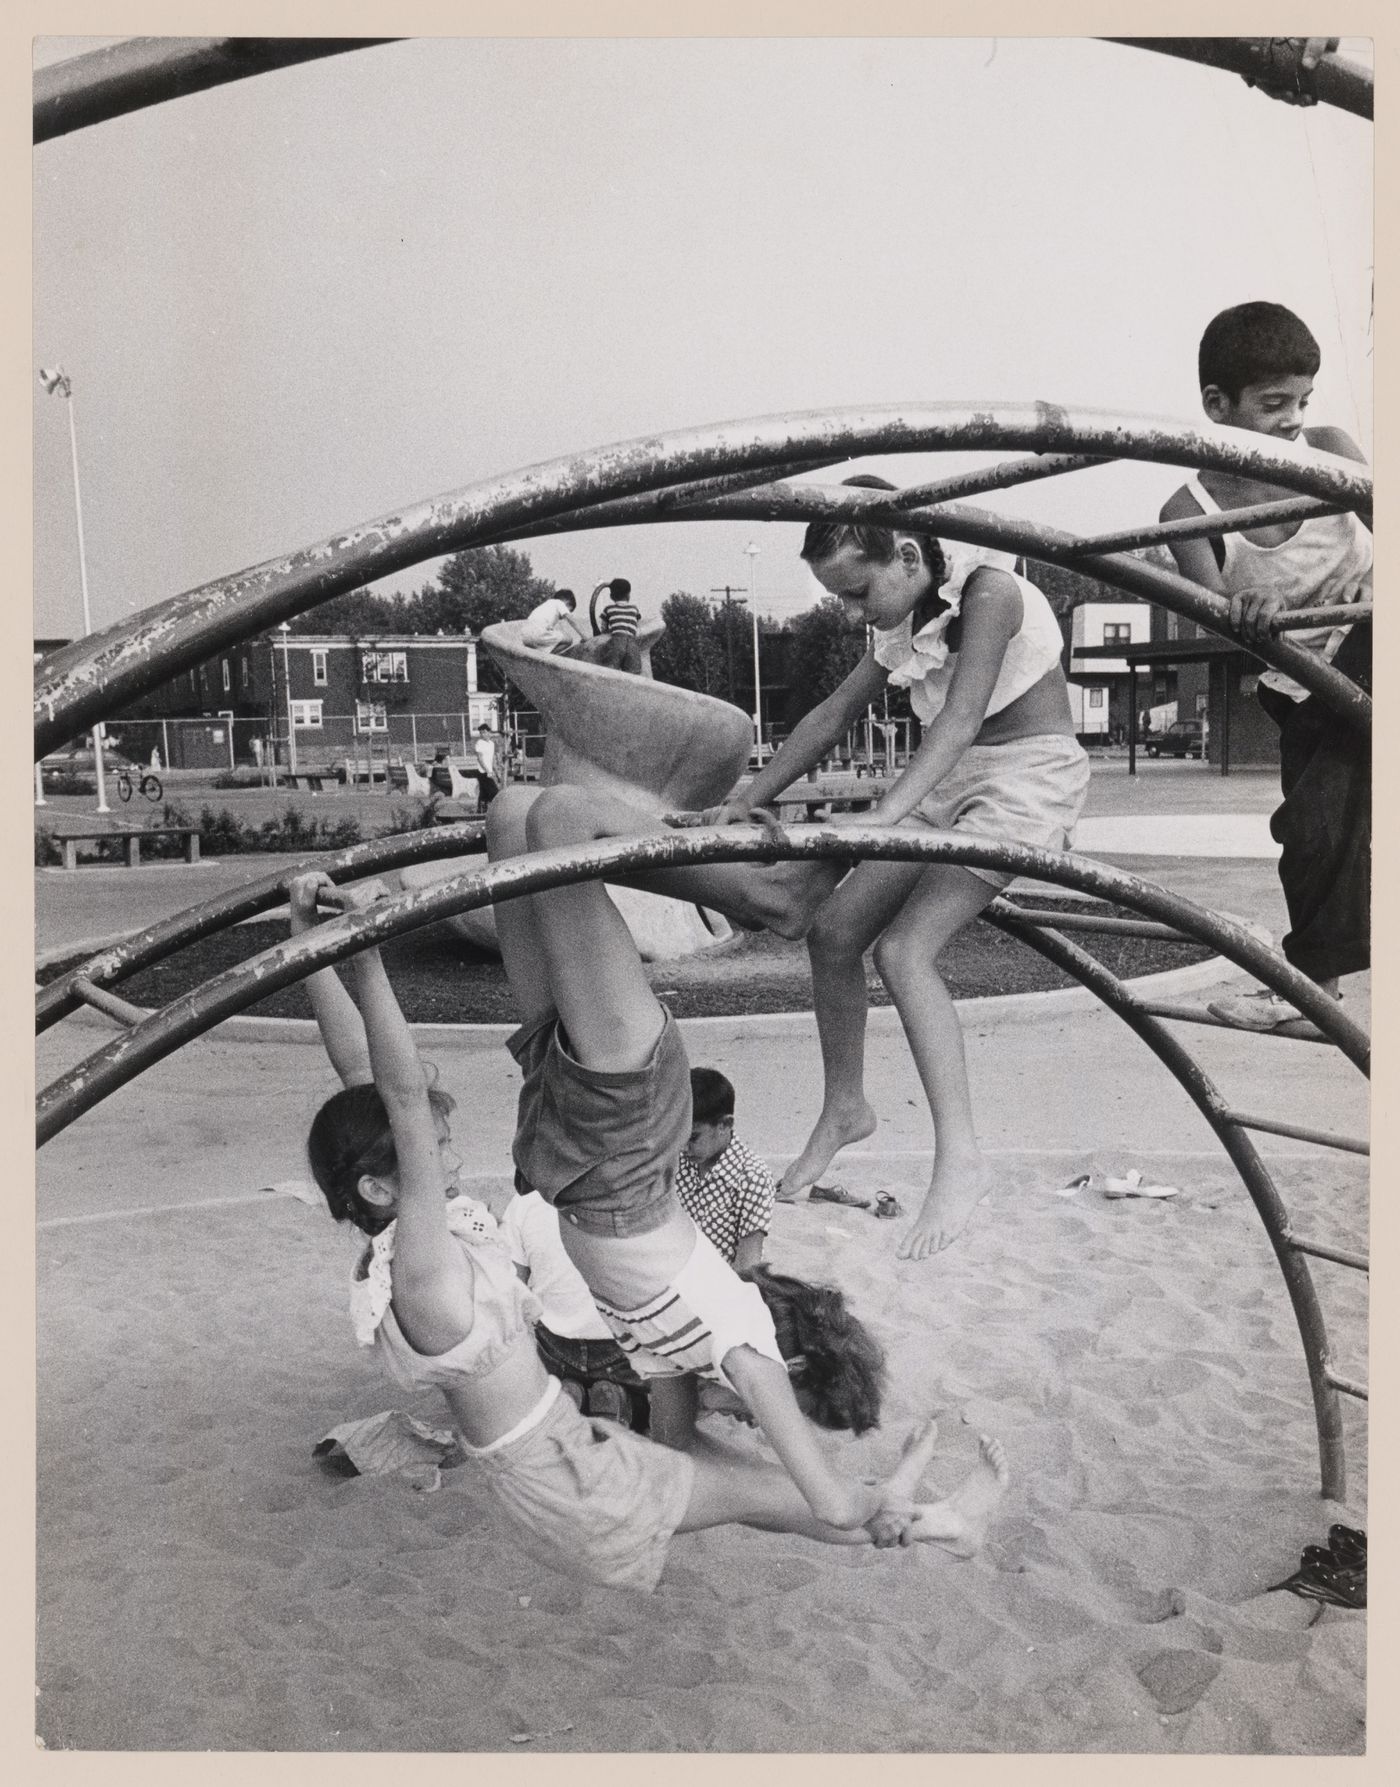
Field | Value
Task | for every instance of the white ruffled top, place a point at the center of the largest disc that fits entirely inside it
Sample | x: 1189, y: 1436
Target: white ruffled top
x: 371, y: 1283
x: 924, y: 662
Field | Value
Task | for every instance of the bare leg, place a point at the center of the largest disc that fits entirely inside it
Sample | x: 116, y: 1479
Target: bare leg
x: 517, y: 922
x: 946, y: 899
x: 730, y: 1491
x: 958, y: 1524
x: 845, y: 928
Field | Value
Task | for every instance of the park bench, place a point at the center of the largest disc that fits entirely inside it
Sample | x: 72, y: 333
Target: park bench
x: 69, y: 841
x: 805, y: 799
x: 314, y: 779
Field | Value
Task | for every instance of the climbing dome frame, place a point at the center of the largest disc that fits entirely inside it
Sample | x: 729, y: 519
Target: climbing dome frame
x: 735, y: 470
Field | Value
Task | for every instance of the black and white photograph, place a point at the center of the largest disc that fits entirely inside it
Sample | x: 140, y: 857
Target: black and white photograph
x: 702, y: 891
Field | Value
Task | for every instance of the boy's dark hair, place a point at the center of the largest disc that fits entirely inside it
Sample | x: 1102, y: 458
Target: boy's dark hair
x: 1251, y: 343
x: 483, y: 727
x: 711, y: 1095
x: 822, y: 538
x: 566, y: 595
x: 350, y: 1136
x: 619, y: 589
x: 833, y: 1359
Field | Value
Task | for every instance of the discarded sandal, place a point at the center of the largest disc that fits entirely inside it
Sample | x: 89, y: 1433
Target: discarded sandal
x: 1131, y: 1186
x: 837, y: 1194
x: 887, y: 1205
x: 1334, y: 1573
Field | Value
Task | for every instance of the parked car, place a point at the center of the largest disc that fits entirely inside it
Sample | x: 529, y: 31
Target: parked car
x: 1183, y: 738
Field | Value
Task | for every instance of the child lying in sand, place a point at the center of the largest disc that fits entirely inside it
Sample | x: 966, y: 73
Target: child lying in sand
x: 585, y: 1497
x: 605, y: 1110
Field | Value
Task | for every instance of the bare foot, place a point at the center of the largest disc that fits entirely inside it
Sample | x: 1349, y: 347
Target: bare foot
x: 957, y: 1188
x: 915, y: 1456
x: 837, y: 1128
x: 792, y: 893
x: 893, y: 1523
x: 958, y: 1525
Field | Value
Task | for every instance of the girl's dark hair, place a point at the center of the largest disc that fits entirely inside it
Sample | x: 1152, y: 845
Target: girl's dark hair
x: 351, y: 1136
x: 1252, y: 343
x: 835, y: 1361
x: 822, y: 538
x: 711, y: 1095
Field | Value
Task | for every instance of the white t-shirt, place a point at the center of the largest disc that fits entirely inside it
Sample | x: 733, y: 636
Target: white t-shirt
x: 485, y: 749
x: 530, y: 1229
x: 544, y: 626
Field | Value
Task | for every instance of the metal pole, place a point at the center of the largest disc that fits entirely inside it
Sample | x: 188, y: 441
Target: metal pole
x: 753, y: 552
x: 66, y: 386
x: 287, y: 679
x: 1132, y: 716
x: 39, y: 800
x: 165, y: 743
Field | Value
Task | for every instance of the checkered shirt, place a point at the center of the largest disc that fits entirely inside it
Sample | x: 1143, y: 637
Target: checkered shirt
x: 733, y: 1199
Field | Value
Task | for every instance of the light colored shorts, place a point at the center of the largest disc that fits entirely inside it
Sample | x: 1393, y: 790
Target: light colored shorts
x: 1027, y: 791
x: 587, y: 1497
x: 705, y: 1312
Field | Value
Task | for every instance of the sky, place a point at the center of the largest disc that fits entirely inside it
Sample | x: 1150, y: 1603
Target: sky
x: 304, y: 300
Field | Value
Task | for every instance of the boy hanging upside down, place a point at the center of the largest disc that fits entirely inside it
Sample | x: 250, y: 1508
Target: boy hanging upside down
x: 604, y: 1112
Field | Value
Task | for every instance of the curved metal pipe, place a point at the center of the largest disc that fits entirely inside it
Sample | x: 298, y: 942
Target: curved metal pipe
x: 1335, y: 81
x: 185, y: 1018
x: 119, y: 961
x: 145, y: 71
x: 1258, y: 1181
x: 90, y: 679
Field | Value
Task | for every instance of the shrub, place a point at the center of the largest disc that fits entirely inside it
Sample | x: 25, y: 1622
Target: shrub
x: 68, y: 781
x: 47, y: 854
x: 417, y: 815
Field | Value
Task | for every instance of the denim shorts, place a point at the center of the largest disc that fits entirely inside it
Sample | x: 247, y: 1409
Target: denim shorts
x: 602, y: 1147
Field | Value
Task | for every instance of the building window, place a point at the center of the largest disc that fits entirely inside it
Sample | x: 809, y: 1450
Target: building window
x: 243, y: 672
x: 1096, y: 697
x: 306, y: 716
x: 370, y: 716
x: 1117, y: 633
x: 318, y: 667
x: 383, y: 667
x: 227, y: 674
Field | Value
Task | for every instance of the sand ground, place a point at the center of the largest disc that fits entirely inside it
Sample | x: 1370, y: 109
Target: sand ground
x: 204, y: 1584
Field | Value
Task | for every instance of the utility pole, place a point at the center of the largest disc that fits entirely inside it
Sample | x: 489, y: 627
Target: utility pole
x: 728, y: 591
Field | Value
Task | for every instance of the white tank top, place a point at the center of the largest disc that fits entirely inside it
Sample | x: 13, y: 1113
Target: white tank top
x: 1326, y: 564
x: 924, y: 663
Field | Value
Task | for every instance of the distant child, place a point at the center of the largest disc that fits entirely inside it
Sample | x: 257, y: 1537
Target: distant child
x: 1257, y: 364
x: 727, y: 1190
x: 484, y: 749
x: 604, y: 1113
x: 585, y: 1497
x: 550, y: 625
x: 979, y: 650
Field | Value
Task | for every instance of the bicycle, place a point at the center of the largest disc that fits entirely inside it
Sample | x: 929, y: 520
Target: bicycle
x: 150, y: 785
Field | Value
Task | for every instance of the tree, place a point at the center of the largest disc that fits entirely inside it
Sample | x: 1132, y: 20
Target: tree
x: 823, y: 652
x: 472, y: 590
x: 476, y: 589
x: 690, y: 653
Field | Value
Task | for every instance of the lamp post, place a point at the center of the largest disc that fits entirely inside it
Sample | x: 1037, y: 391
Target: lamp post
x: 285, y: 629
x: 751, y: 552
x: 58, y: 384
